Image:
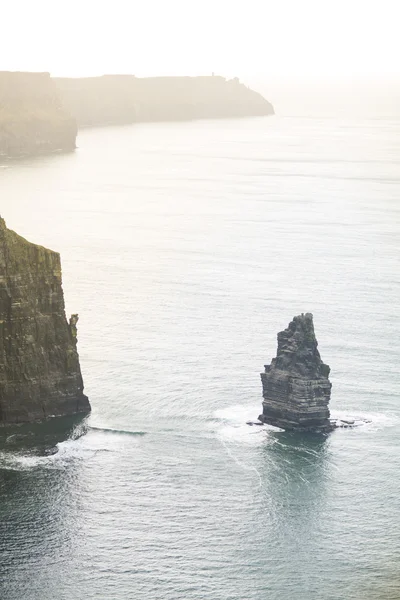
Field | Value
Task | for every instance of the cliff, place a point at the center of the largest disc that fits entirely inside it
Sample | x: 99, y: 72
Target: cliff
x: 32, y: 118
x: 296, y: 388
x: 40, y: 374
x: 118, y: 99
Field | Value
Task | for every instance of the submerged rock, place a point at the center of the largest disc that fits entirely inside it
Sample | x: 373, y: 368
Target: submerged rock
x: 296, y: 388
x: 40, y: 375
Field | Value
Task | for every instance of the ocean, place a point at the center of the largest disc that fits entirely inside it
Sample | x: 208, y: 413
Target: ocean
x: 185, y: 248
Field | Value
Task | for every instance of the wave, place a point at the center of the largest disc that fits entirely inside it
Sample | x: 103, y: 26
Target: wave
x: 119, y: 431
x: 64, y: 454
x: 10, y: 461
x: 230, y: 424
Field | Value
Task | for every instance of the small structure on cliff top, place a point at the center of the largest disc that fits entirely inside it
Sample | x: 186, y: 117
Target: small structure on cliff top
x: 118, y: 99
x: 40, y: 375
x: 296, y: 388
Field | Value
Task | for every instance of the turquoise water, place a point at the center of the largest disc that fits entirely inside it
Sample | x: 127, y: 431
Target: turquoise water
x: 186, y: 247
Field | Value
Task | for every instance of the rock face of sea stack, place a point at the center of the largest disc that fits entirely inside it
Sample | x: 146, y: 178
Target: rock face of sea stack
x: 296, y: 388
x: 40, y: 375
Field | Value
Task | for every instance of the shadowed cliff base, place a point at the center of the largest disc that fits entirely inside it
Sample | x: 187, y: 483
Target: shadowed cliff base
x: 40, y: 375
x: 40, y: 438
x: 123, y: 99
x: 32, y: 118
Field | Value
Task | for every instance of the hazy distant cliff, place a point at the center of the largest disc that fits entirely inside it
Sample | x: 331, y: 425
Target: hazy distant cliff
x: 113, y: 99
x: 32, y: 118
x: 40, y: 374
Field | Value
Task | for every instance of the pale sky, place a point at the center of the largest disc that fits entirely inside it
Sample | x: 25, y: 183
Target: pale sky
x: 247, y: 38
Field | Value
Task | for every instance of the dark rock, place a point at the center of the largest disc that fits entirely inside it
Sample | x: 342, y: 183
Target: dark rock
x: 50, y: 451
x: 349, y: 423
x: 41, y: 438
x: 40, y: 375
x: 296, y: 388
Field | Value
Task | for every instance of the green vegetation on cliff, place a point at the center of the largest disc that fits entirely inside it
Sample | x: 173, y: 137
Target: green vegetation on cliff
x: 32, y: 119
x: 40, y: 374
x: 118, y: 99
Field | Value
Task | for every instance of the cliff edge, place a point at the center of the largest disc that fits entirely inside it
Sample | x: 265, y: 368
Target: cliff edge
x: 119, y: 99
x: 296, y: 388
x: 32, y: 118
x: 40, y: 375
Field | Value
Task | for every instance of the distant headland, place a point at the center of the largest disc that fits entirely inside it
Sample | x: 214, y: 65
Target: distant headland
x: 120, y: 99
x: 32, y: 117
x: 40, y: 114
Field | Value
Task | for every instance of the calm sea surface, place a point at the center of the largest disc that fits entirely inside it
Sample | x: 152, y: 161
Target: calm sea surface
x: 186, y: 248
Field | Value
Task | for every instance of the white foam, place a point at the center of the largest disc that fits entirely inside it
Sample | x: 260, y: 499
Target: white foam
x: 233, y: 425
x: 68, y: 450
x: 366, y: 421
x: 233, y: 419
x: 22, y: 462
x: 238, y: 413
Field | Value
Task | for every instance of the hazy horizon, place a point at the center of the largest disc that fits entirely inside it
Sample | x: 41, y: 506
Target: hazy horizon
x: 186, y: 224
x: 250, y: 39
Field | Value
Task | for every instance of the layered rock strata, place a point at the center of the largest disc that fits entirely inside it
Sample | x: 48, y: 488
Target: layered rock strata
x: 40, y: 375
x: 32, y: 117
x: 296, y: 388
x: 118, y: 99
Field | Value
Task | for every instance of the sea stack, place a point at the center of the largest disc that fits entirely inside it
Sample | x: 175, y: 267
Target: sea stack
x: 296, y: 388
x: 40, y: 375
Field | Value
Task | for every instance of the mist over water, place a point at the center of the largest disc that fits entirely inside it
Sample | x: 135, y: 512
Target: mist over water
x: 354, y: 97
x: 185, y: 248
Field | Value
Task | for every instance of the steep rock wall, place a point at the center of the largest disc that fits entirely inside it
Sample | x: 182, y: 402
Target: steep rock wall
x: 32, y: 118
x: 296, y: 388
x: 40, y: 374
x: 117, y: 99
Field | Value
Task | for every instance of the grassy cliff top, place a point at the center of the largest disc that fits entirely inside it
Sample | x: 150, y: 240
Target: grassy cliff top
x: 16, y: 250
